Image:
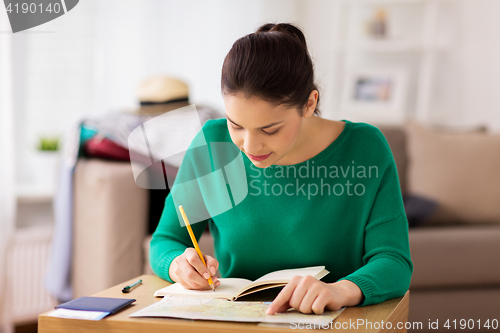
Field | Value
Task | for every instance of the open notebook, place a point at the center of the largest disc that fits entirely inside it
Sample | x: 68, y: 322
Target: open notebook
x: 232, y: 288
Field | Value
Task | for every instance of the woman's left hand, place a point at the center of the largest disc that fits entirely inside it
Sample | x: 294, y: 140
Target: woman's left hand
x: 309, y: 295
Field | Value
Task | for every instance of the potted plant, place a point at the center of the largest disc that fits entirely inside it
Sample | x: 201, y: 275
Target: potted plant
x: 46, y: 164
x: 48, y: 144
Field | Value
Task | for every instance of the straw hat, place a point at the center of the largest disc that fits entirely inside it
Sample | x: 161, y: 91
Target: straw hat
x: 159, y: 94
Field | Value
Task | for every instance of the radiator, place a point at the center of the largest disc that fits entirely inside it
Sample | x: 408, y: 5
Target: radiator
x: 26, y: 264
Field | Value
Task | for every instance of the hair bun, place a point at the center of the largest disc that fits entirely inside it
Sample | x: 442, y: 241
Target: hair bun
x: 287, y: 28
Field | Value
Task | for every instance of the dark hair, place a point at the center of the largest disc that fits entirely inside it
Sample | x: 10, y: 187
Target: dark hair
x: 273, y: 64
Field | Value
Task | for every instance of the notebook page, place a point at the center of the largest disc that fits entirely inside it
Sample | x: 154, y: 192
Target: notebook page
x: 228, y: 288
x: 287, y: 274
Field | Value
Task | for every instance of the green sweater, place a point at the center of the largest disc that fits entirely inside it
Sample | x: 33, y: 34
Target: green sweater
x: 342, y: 209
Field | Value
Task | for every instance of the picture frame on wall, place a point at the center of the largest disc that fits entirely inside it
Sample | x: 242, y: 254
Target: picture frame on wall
x: 375, y: 94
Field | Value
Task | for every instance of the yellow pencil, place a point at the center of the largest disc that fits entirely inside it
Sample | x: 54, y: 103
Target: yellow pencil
x: 195, y: 243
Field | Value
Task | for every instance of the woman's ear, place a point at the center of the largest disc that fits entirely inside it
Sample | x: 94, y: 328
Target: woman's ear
x: 311, y: 104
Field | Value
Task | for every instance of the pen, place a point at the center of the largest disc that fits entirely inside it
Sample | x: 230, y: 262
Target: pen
x: 129, y: 288
x: 195, y: 243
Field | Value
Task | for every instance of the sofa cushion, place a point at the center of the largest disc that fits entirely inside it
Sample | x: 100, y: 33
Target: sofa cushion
x: 419, y: 210
x: 461, y: 171
x: 455, y: 256
x: 396, y: 138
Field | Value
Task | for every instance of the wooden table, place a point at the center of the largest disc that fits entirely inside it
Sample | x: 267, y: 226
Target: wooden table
x: 393, y: 311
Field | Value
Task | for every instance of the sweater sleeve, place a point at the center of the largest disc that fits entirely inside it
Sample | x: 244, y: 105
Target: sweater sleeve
x: 387, y: 266
x: 170, y: 240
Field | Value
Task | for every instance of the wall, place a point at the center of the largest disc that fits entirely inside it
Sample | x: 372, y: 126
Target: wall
x: 7, y: 199
x: 478, y: 57
x: 91, y: 60
x: 467, y: 72
x: 186, y: 39
x: 318, y: 24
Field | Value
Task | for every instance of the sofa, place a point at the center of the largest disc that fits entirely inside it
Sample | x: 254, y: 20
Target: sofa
x: 455, y: 246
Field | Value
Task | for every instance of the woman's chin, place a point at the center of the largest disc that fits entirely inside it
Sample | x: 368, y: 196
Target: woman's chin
x: 261, y: 164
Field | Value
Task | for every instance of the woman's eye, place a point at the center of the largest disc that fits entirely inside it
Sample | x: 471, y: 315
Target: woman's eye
x: 236, y: 128
x: 272, y: 133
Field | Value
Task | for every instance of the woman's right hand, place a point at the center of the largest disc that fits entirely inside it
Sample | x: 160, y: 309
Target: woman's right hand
x: 188, y: 270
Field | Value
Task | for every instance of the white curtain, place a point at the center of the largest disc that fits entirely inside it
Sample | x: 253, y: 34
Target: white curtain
x: 7, y: 195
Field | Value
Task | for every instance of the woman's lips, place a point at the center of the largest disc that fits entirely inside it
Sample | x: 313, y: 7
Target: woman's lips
x: 259, y: 157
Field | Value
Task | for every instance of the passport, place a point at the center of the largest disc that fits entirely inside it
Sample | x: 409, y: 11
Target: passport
x: 101, y: 304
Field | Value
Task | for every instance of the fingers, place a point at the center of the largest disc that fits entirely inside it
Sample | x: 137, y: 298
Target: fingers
x: 212, y: 264
x: 194, y: 260
x: 319, y: 304
x: 305, y: 305
x: 305, y: 294
x: 216, y: 283
x: 188, y: 276
x: 207, y: 287
x: 283, y: 308
x: 298, y: 294
x: 192, y: 273
x: 283, y: 297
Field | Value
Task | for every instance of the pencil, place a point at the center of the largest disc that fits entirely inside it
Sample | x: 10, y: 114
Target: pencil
x: 195, y: 243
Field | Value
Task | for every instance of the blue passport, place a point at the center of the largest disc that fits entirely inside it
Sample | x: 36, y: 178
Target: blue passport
x: 101, y: 304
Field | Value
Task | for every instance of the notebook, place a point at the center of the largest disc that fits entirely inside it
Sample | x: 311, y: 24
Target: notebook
x: 233, y: 288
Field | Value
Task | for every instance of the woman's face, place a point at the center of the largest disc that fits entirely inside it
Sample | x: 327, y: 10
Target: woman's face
x: 265, y: 133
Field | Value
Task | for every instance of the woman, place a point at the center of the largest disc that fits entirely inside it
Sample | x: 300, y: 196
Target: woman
x: 320, y: 192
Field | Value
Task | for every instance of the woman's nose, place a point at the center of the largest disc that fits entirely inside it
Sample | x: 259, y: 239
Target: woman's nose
x: 252, y: 145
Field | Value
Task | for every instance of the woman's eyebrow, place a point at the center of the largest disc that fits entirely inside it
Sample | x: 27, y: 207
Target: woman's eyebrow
x: 263, y: 127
